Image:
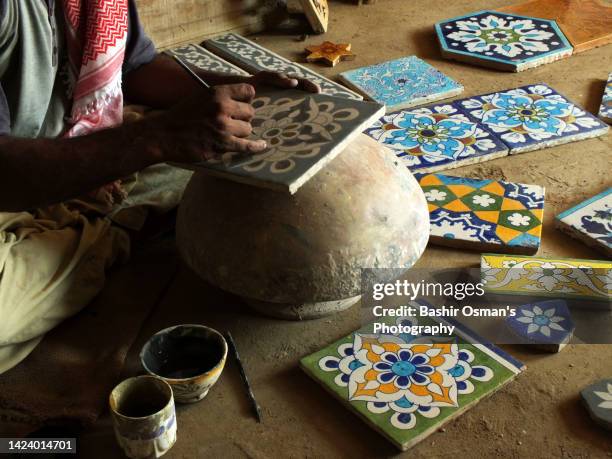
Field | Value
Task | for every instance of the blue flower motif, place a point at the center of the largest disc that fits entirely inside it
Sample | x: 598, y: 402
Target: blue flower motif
x: 427, y: 134
x: 403, y: 368
x: 528, y: 113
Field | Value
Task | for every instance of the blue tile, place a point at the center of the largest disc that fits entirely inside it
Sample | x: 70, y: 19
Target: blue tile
x: 501, y: 40
x: 402, y: 83
x: 605, y: 109
x: 532, y: 117
x: 547, y: 323
x: 436, y: 137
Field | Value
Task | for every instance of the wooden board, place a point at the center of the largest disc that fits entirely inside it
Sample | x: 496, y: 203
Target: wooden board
x: 586, y: 23
x: 171, y: 23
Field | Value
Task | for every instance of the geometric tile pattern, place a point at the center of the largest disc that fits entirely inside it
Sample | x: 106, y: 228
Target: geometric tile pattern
x: 605, y: 109
x: 401, y: 83
x: 436, y: 137
x: 483, y: 214
x: 532, y: 117
x: 502, y: 41
x: 254, y: 58
x: 547, y: 324
x: 303, y: 131
x: 547, y: 277
x: 590, y: 221
x: 205, y: 60
x: 406, y: 386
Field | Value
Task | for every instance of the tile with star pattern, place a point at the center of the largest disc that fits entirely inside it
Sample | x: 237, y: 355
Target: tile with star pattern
x: 483, y: 214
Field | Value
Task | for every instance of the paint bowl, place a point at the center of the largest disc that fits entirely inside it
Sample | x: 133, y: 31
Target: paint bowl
x: 188, y: 357
x: 143, y: 415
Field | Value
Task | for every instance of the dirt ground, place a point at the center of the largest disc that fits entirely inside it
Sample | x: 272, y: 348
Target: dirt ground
x: 537, y: 415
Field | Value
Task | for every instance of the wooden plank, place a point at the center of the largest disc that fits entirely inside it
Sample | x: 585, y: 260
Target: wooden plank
x: 171, y: 23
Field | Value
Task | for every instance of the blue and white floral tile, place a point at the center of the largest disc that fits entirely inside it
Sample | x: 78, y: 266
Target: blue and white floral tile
x: 597, y: 399
x: 547, y: 324
x: 205, y: 60
x: 435, y: 138
x: 502, y: 41
x: 532, y: 117
x: 590, y: 221
x: 401, y: 83
x: 605, y: 109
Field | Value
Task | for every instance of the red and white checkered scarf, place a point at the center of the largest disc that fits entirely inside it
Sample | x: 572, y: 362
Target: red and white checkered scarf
x: 96, y: 34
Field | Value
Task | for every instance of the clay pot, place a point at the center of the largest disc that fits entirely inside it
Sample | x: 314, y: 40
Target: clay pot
x: 300, y: 256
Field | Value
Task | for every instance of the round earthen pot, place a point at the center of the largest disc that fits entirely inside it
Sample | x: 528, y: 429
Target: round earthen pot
x: 300, y: 256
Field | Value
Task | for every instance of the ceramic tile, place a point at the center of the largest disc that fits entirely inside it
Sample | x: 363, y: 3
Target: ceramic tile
x: 597, y: 398
x: 304, y: 132
x: 317, y: 13
x: 330, y: 53
x: 205, y: 60
x: 590, y: 221
x: 547, y: 324
x: 559, y: 278
x: 605, y: 109
x: 532, y: 117
x: 502, y: 41
x: 435, y: 138
x: 401, y: 83
x: 254, y: 58
x: 407, y: 387
x: 586, y: 23
x: 483, y: 214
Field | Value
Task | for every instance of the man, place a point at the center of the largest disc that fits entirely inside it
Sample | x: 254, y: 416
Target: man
x: 65, y: 68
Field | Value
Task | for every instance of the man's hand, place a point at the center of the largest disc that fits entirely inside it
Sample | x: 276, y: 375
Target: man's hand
x: 208, y: 123
x: 282, y: 81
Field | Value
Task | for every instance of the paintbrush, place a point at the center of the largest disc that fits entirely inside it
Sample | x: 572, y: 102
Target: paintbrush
x: 244, y: 377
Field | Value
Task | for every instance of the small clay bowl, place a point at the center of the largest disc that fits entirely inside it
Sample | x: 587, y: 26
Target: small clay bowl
x: 188, y: 357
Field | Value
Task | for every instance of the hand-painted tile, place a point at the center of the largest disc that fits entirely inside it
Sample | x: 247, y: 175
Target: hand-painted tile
x: 330, y: 53
x: 401, y: 83
x: 597, y: 398
x: 254, y: 58
x: 483, y: 214
x: 547, y: 277
x: 435, y: 138
x: 406, y: 387
x: 205, y: 60
x: 532, y: 117
x: 547, y: 324
x: 590, y: 221
x: 303, y: 131
x: 502, y: 41
x: 317, y: 13
x: 585, y: 23
x: 605, y: 109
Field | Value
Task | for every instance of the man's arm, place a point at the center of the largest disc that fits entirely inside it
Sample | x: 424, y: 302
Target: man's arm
x: 36, y: 172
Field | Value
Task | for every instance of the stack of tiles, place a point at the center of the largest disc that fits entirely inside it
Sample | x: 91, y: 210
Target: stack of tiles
x: 407, y: 387
x: 435, y: 138
x: 532, y: 117
x: 502, y: 41
x: 401, y: 83
x: 304, y: 132
x: 547, y: 325
x: 561, y: 278
x: 254, y: 58
x: 483, y: 214
x: 590, y: 221
x: 605, y: 109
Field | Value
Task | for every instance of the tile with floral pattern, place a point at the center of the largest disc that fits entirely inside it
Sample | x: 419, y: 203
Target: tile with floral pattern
x: 597, y: 398
x: 605, y: 109
x: 401, y: 83
x: 590, y: 221
x: 436, y: 137
x: 502, y: 41
x: 483, y: 214
x: 546, y: 324
x: 532, y: 117
x: 406, y: 387
x: 561, y: 278
x: 205, y: 60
